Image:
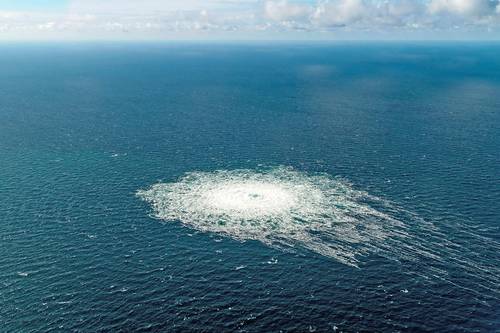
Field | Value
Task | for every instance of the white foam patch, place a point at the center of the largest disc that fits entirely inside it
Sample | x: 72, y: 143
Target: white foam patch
x: 288, y: 209
x: 280, y: 207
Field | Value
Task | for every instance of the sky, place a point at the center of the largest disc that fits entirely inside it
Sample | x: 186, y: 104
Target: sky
x: 250, y: 20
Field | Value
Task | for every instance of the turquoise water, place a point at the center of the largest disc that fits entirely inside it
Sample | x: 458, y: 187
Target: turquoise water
x: 401, y: 140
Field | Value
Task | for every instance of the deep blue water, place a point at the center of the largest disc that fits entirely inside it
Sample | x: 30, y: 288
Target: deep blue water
x: 84, y: 126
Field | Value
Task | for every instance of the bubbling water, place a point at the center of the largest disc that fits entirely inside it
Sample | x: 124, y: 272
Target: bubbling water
x: 280, y: 207
x: 250, y: 198
x: 289, y: 210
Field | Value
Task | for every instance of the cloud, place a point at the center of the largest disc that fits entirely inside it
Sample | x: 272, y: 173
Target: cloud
x: 283, y: 10
x: 148, y: 7
x: 340, y: 12
x: 171, y: 19
x: 475, y: 8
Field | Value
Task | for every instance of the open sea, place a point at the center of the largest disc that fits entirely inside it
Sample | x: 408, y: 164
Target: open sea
x: 128, y: 172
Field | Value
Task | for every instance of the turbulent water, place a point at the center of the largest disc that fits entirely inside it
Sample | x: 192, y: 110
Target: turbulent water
x: 285, y: 208
x: 249, y: 188
x: 280, y: 207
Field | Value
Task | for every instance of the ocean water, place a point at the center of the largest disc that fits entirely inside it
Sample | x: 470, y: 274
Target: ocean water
x: 249, y: 187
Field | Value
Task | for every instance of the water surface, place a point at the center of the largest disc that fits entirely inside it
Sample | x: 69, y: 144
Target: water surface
x: 83, y: 127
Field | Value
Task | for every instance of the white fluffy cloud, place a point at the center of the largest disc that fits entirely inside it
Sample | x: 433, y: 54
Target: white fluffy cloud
x: 476, y: 8
x: 386, y: 14
x: 282, y: 10
x: 341, y: 12
x: 170, y: 19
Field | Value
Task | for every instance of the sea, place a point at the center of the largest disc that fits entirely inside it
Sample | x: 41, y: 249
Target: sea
x: 128, y: 172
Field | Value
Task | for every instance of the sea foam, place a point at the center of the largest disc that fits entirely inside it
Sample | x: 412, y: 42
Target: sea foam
x: 289, y: 209
x: 280, y: 207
